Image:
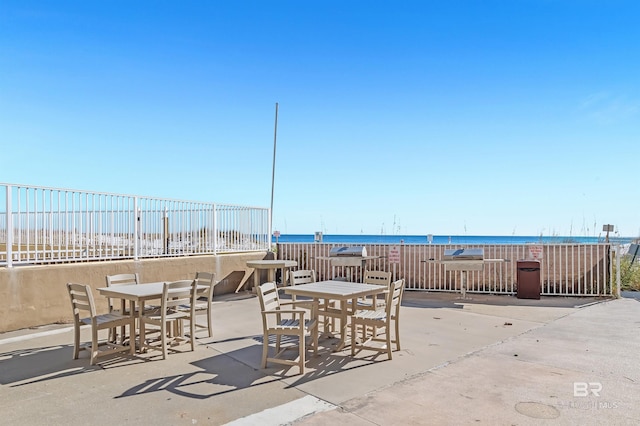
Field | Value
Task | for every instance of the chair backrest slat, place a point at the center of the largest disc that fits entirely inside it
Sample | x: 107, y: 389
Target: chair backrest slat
x: 178, y: 293
x: 120, y: 279
x: 81, y: 299
x: 269, y: 301
x: 268, y: 296
x: 394, y: 298
x: 206, y: 279
x: 303, y: 276
x: 377, y: 277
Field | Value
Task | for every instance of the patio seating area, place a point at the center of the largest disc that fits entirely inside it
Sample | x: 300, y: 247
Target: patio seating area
x: 461, y: 361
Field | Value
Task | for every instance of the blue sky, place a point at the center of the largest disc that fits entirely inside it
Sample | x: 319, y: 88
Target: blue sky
x: 447, y: 118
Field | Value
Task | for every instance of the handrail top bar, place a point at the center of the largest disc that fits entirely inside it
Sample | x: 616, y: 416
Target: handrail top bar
x: 113, y: 194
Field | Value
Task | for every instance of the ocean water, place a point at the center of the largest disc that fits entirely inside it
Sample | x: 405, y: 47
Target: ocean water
x: 446, y: 239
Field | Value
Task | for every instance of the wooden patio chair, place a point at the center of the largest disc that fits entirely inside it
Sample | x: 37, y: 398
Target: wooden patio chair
x: 376, y: 278
x: 302, y: 276
x: 382, y: 278
x: 116, y: 280
x: 170, y: 316
x: 115, y: 306
x: 204, y: 300
x: 279, y: 322
x: 82, y: 301
x: 306, y: 276
x: 380, y: 319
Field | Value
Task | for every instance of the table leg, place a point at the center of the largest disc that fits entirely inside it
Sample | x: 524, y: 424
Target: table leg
x: 132, y: 327
x: 343, y: 326
x: 134, y: 321
x: 123, y: 306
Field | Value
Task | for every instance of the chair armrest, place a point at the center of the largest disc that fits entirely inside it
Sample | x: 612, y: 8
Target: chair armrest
x: 293, y: 303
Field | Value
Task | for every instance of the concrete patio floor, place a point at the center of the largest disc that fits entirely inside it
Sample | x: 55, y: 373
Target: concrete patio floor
x: 488, y: 360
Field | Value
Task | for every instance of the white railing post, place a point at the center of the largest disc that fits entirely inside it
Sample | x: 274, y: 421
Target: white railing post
x: 215, y: 229
x: 136, y: 228
x: 9, y: 224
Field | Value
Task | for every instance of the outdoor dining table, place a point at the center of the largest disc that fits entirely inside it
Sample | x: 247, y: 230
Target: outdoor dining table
x: 270, y: 266
x: 137, y: 295
x: 342, y: 291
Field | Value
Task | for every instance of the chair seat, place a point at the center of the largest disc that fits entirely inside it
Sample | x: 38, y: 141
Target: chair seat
x: 111, y: 317
x: 368, y: 303
x: 290, y: 324
x: 200, y: 305
x: 157, y: 316
x: 371, y: 315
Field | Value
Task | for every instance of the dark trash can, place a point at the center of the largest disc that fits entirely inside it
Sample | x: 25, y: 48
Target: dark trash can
x: 528, y: 279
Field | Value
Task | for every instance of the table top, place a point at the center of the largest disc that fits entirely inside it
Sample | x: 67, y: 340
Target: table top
x: 271, y: 264
x: 340, y: 290
x: 137, y: 292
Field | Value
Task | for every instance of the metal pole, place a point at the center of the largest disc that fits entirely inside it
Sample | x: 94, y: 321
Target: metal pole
x: 273, y: 174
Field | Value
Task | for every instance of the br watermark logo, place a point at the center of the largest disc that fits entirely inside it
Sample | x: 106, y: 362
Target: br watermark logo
x: 587, y: 388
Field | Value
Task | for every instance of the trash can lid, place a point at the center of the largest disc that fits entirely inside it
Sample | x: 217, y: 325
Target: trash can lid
x: 528, y: 263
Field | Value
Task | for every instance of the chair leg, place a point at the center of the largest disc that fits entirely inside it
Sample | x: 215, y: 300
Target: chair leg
x: 76, y: 340
x: 265, y: 350
x: 192, y: 333
x: 397, y: 335
x: 143, y: 332
x: 132, y: 336
x: 315, y: 339
x: 303, y: 350
x: 163, y: 336
x: 94, y: 345
x: 210, y: 321
x: 353, y: 337
x: 389, y: 348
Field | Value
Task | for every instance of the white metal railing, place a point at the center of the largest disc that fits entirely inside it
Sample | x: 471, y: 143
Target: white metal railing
x: 52, y: 225
x: 566, y: 269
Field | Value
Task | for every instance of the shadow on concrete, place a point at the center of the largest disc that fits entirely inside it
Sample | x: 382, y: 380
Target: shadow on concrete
x: 218, y: 375
x: 630, y: 295
x: 420, y: 299
x: 227, y: 373
x: 33, y: 365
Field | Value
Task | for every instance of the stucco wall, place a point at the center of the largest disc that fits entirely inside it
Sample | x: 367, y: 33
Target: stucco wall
x: 37, y: 295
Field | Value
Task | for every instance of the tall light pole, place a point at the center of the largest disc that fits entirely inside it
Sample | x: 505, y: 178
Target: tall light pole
x: 273, y: 174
